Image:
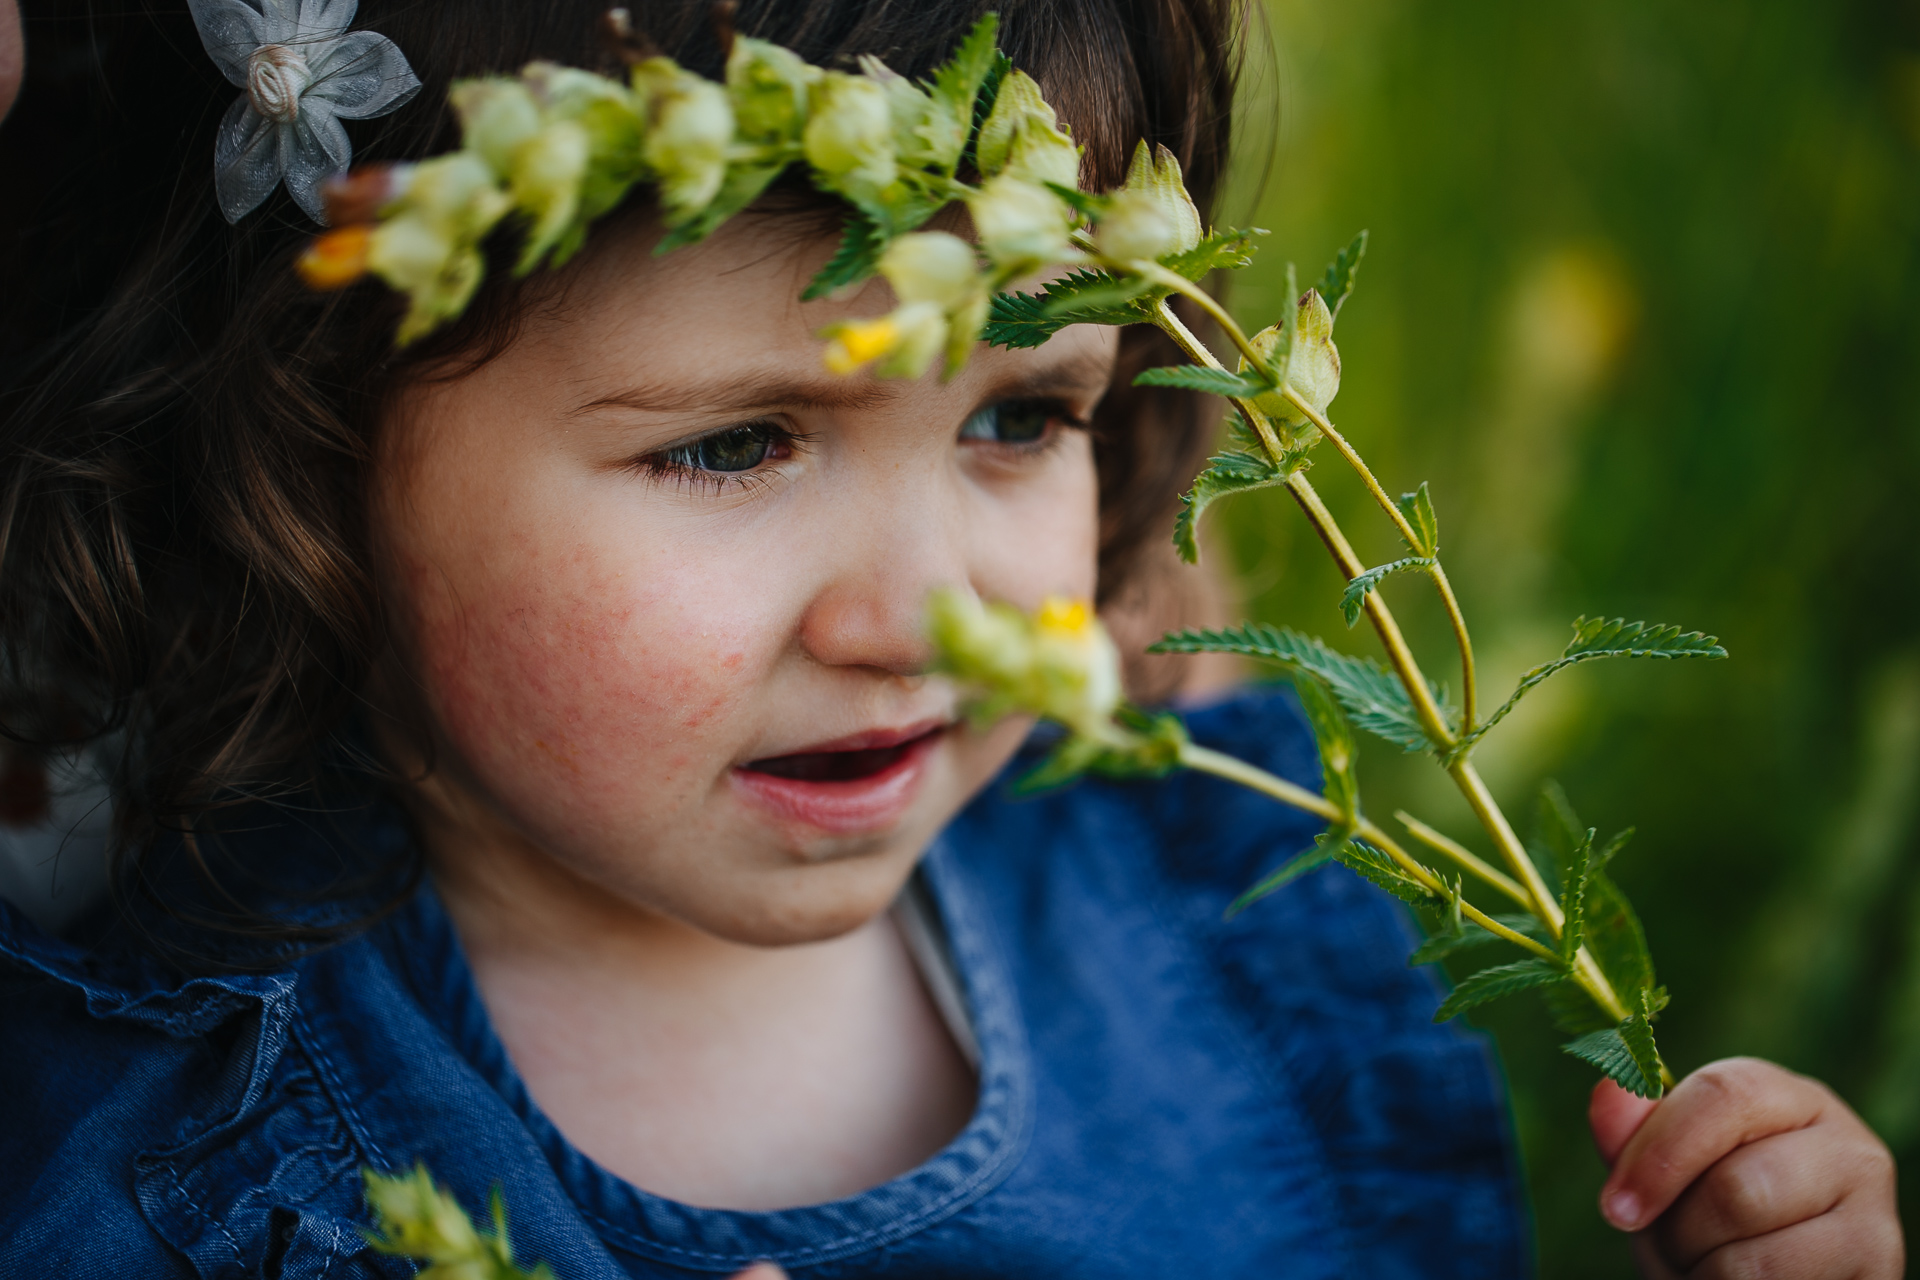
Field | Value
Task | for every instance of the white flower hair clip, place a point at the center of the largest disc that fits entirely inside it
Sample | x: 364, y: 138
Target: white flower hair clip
x: 303, y: 72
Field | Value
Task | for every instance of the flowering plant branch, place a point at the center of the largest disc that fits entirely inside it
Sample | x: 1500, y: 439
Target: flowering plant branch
x: 551, y: 150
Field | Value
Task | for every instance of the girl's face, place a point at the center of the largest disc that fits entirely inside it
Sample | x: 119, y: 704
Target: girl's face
x: 657, y: 580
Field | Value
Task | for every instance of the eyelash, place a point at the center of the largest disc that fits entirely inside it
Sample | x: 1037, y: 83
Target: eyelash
x: 675, y: 466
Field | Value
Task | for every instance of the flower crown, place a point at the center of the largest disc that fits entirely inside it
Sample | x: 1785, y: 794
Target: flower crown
x: 555, y: 148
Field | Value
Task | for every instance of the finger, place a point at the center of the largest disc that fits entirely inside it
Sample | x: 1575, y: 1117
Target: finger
x: 1763, y: 1187
x: 1615, y: 1115
x: 1648, y: 1262
x: 1720, y: 1107
x: 1834, y: 1246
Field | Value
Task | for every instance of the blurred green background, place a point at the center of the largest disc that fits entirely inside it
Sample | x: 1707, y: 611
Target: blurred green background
x: 1643, y: 304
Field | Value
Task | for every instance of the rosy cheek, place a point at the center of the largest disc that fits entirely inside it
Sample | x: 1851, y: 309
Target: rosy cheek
x: 579, y: 695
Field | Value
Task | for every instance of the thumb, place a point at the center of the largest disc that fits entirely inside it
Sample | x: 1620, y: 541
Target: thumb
x: 1615, y: 1115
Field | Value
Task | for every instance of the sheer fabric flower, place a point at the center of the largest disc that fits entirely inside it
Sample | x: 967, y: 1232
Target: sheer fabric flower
x: 303, y: 73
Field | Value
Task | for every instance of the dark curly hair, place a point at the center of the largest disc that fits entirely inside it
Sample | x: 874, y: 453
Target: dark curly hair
x: 184, y: 429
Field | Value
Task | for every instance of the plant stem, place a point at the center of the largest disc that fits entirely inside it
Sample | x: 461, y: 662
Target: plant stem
x: 1459, y: 853
x: 1463, y: 641
x: 1196, y: 351
x: 1206, y: 760
x: 1398, y: 653
x: 1586, y: 971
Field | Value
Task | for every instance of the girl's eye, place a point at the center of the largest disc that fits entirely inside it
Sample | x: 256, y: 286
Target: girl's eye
x: 1013, y: 421
x: 736, y: 449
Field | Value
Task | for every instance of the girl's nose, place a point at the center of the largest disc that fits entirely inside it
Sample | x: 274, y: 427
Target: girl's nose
x: 871, y: 611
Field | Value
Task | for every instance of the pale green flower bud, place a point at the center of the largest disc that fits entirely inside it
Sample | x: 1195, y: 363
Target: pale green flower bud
x: 769, y: 86
x: 906, y: 341
x: 1315, y: 370
x: 1041, y: 153
x: 849, y: 135
x: 686, y: 143
x: 429, y: 247
x: 1018, y: 110
x: 932, y: 266
x: 496, y: 117
x: 457, y: 190
x: 548, y: 169
x: 1133, y: 227
x: 1022, y: 227
x: 1154, y: 175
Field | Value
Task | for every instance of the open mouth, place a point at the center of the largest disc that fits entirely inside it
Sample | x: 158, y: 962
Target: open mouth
x: 854, y: 765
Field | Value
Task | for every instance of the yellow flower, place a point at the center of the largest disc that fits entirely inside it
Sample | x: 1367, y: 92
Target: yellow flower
x: 859, y: 342
x: 336, y: 259
x: 905, y: 342
x: 1059, y: 663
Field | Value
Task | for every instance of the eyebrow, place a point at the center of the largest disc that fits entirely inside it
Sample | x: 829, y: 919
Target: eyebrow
x: 1086, y: 371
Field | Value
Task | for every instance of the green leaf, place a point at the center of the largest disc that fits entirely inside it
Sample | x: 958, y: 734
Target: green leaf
x: 1111, y: 297
x: 1440, y: 945
x: 1599, y: 638
x: 1152, y: 752
x: 862, y: 241
x: 418, y: 1219
x: 1334, y: 735
x: 1417, y: 507
x: 740, y: 188
x: 1337, y: 283
x: 1625, y: 1054
x: 1501, y: 980
x: 1355, y: 595
x: 1226, y: 473
x: 1377, y: 867
x: 1574, y: 901
x: 1196, y: 377
x: 1614, y: 844
x: 1371, y: 694
x: 1019, y: 320
x: 1615, y: 937
x: 997, y: 68
x: 1225, y: 250
x: 1291, y: 870
x: 958, y: 81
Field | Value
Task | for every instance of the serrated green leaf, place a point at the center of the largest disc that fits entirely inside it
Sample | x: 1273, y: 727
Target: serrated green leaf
x: 1340, y: 782
x: 1115, y: 296
x: 1599, y: 638
x: 862, y: 241
x: 1574, y: 901
x: 1377, y: 867
x: 1355, y: 596
x: 1625, y: 1054
x: 1440, y: 945
x: 998, y: 66
x: 1502, y: 980
x: 1371, y: 694
x: 1019, y: 320
x: 1608, y: 849
x: 957, y: 82
x: 1291, y: 870
x: 1225, y: 250
x: 1615, y: 937
x: 1417, y: 507
x: 1196, y: 377
x: 1152, y: 752
x: 1338, y: 281
x: 1226, y: 473
x: 1607, y: 1050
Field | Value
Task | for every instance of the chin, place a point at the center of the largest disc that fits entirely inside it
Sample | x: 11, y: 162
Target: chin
x: 816, y: 903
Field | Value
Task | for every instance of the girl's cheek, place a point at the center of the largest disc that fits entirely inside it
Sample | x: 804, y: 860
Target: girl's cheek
x: 584, y: 691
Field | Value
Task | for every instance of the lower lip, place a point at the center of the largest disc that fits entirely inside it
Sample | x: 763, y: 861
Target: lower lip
x: 853, y: 807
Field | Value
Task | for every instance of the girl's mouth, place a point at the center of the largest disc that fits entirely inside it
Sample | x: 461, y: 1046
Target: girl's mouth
x: 858, y: 784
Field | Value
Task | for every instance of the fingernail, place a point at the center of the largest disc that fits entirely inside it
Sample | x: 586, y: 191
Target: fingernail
x: 1623, y: 1210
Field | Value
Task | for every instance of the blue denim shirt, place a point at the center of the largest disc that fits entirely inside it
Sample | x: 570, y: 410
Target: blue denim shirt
x: 1162, y: 1090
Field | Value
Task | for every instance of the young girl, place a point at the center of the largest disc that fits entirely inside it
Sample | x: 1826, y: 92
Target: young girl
x: 524, y: 767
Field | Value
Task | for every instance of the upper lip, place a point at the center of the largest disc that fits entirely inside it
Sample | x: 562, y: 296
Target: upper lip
x: 865, y: 740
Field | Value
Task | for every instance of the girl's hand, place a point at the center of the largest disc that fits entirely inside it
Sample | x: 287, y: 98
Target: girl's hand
x: 1746, y: 1169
